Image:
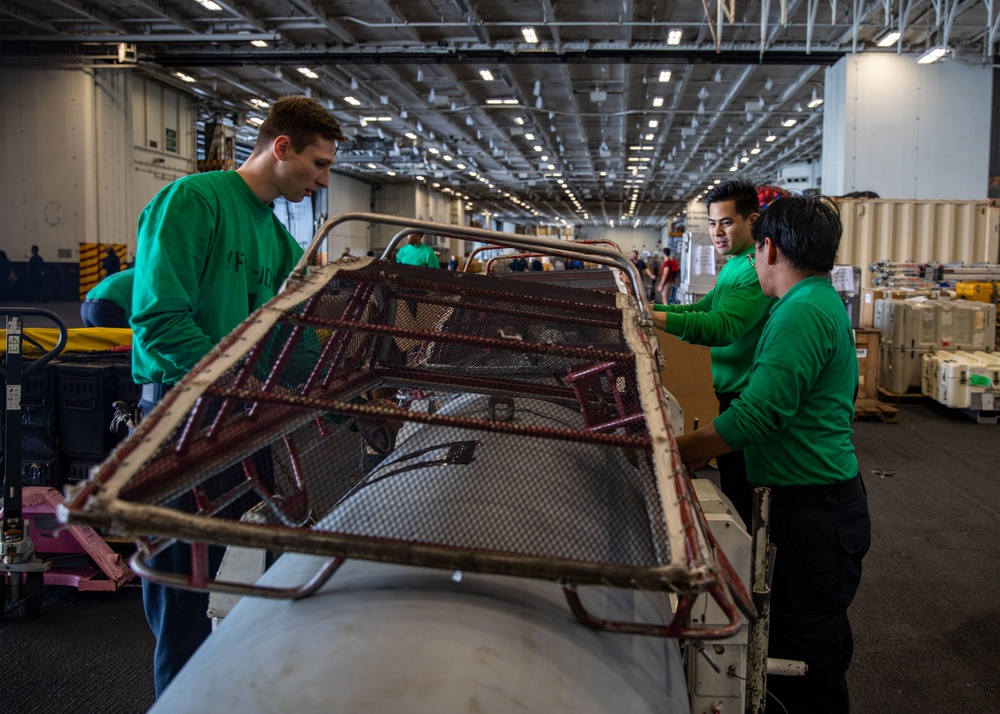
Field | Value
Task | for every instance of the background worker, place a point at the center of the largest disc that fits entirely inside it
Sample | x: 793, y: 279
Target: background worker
x: 729, y: 319
x: 111, y: 263
x: 211, y: 251
x: 669, y: 271
x: 109, y: 303
x: 793, y: 421
x: 416, y: 252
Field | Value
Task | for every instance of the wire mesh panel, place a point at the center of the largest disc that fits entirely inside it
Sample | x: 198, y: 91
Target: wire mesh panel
x: 397, y: 413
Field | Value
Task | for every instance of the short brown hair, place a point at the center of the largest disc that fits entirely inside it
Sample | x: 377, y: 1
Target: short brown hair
x: 302, y: 120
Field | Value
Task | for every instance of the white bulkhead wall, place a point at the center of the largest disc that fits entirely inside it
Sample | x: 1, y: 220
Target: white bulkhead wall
x: 79, y: 160
x: 904, y: 130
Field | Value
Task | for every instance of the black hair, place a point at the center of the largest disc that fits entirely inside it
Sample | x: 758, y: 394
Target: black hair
x: 741, y: 191
x: 806, y: 230
x: 666, y: 252
x: 302, y: 120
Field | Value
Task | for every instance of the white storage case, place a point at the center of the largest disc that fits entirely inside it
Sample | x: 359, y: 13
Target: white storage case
x: 961, y: 380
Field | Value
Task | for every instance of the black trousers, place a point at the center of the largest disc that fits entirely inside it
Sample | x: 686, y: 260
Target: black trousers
x: 733, y: 471
x: 821, y: 535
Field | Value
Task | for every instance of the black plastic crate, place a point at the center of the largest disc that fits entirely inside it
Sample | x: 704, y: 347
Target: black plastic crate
x: 128, y: 391
x: 45, y: 469
x: 39, y: 416
x: 78, y: 466
x: 87, y: 392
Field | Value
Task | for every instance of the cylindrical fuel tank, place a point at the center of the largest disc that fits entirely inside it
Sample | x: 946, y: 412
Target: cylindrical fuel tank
x: 393, y: 638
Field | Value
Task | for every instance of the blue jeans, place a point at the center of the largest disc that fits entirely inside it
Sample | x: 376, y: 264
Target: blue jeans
x: 179, y: 618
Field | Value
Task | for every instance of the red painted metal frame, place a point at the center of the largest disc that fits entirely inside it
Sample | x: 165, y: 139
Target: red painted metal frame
x: 591, y: 385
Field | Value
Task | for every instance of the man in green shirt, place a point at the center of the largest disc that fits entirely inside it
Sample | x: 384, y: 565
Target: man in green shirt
x: 793, y: 421
x: 109, y: 303
x: 211, y: 251
x: 729, y: 319
x: 416, y: 252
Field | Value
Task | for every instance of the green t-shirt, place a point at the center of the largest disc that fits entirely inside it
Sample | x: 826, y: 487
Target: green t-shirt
x: 419, y: 254
x: 209, y: 253
x: 730, y: 320
x: 793, y: 421
x: 116, y: 288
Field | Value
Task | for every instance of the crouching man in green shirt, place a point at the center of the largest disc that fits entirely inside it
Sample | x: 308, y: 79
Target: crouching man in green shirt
x: 793, y: 422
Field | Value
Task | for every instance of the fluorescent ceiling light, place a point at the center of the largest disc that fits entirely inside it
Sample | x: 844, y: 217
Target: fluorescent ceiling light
x: 932, y: 55
x: 657, y: 101
x: 665, y: 75
x: 390, y: 173
x: 256, y: 121
x: 372, y: 166
x: 410, y: 135
x: 529, y: 137
x: 308, y: 73
x: 530, y: 36
x: 815, y: 101
x: 486, y: 74
x: 649, y: 137
x: 209, y: 5
x: 674, y: 36
x: 352, y: 101
x: 258, y: 43
x: 788, y: 123
x: 653, y: 123
x: 519, y: 121
x: 888, y: 39
x: 771, y: 136
x: 378, y: 118
x: 185, y: 77
x: 259, y: 103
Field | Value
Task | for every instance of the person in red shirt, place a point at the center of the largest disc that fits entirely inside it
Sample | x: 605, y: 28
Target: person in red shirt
x: 669, y: 272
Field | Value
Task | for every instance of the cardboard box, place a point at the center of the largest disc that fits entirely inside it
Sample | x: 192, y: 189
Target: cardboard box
x: 870, y: 295
x: 688, y: 376
x: 867, y: 344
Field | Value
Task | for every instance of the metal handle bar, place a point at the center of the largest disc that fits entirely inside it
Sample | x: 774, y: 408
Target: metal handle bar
x: 558, y: 248
x: 484, y: 248
x: 51, y: 354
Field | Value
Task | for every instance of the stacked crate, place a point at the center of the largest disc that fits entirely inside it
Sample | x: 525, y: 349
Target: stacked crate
x: 963, y: 380
x: 66, y: 412
x: 911, y: 329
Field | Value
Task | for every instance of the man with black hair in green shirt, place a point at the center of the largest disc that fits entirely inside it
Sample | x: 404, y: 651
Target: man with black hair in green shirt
x: 210, y: 252
x: 729, y: 319
x: 793, y: 422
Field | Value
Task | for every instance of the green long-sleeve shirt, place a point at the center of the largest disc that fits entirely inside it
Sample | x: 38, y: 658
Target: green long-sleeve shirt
x: 209, y: 253
x: 793, y: 421
x: 419, y: 254
x: 730, y: 320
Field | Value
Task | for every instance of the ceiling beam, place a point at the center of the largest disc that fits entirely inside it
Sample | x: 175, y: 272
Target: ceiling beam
x: 334, y: 27
x: 156, y: 9
x: 28, y: 18
x: 435, y: 56
x: 91, y: 13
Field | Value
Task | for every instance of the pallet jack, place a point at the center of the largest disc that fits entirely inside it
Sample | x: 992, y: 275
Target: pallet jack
x: 29, y: 524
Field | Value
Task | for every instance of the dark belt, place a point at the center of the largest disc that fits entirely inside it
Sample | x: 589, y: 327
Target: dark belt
x: 818, y: 497
x: 154, y: 392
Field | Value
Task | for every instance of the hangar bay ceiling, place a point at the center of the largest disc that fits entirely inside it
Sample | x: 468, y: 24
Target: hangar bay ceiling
x: 536, y: 110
